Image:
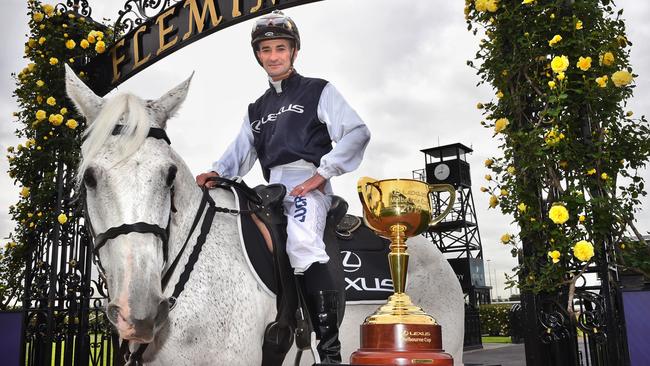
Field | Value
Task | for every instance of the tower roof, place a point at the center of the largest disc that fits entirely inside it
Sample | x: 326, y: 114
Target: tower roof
x: 446, y: 151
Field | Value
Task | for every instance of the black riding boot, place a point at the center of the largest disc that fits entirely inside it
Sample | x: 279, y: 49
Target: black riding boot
x: 326, y: 326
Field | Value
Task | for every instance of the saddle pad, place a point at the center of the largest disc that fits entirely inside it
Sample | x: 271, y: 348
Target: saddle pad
x: 365, y: 265
x: 364, y: 257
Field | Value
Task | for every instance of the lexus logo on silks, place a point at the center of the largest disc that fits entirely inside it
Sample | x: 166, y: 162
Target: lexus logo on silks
x: 256, y: 125
x: 352, y: 263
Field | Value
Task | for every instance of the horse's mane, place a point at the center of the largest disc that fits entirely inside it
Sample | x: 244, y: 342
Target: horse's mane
x: 125, y: 109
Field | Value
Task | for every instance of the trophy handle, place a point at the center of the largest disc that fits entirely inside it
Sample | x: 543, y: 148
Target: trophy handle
x: 362, y: 189
x: 452, y: 199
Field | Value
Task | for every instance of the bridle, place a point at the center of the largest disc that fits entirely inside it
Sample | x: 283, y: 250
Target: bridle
x: 138, y: 227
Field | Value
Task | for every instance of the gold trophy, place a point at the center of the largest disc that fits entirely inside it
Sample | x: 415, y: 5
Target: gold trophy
x: 399, y: 332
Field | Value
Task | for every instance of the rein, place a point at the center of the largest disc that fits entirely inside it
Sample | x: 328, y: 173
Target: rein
x: 101, y: 239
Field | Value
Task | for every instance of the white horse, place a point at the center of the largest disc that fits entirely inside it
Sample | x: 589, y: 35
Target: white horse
x: 220, y: 317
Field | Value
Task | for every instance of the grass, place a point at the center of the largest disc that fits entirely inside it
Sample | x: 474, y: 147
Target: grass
x: 492, y: 339
x: 94, y: 357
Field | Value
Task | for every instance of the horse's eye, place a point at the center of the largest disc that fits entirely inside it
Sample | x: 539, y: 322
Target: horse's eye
x: 171, y: 175
x: 89, y: 178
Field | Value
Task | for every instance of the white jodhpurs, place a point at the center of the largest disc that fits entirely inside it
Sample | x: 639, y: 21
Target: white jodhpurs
x: 306, y: 216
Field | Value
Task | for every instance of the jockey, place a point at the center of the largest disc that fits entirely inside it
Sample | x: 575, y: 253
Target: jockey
x: 290, y: 129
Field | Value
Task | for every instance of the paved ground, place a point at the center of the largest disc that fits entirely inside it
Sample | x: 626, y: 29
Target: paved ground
x: 496, y: 354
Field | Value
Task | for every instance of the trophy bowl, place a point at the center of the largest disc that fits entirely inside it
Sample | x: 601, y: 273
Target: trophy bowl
x: 399, y: 332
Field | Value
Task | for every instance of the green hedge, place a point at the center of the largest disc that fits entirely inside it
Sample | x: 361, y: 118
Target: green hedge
x: 494, y: 319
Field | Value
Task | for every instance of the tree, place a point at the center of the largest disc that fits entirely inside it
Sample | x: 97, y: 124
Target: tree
x: 52, y: 130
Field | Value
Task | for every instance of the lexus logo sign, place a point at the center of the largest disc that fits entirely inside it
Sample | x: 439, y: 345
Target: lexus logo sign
x: 351, y: 261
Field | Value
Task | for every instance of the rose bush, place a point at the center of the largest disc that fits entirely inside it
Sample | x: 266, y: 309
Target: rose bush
x: 570, y: 152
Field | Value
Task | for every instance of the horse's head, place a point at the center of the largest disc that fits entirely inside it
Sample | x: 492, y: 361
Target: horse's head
x: 128, y: 179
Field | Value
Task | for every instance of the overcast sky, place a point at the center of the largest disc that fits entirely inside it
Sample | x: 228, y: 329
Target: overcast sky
x: 400, y: 64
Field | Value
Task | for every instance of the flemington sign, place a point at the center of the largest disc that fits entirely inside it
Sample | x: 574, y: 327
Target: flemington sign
x: 172, y: 29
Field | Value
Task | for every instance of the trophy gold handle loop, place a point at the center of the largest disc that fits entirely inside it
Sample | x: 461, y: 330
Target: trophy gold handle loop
x: 362, y: 189
x: 452, y: 199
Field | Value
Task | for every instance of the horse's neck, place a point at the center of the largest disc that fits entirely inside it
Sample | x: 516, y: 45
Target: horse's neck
x: 187, y: 201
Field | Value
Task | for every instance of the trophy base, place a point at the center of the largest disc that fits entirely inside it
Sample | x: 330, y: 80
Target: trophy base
x: 401, y: 344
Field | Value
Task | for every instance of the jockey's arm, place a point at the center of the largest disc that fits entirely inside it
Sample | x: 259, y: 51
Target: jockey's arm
x: 347, y: 131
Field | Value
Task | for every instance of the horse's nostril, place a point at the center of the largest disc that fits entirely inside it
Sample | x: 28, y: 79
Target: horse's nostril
x: 163, y: 311
x: 113, y: 312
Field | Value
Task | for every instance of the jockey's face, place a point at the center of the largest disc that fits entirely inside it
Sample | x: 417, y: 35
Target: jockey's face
x: 275, y: 55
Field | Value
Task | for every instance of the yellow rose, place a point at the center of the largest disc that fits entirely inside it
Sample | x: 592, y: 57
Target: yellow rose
x: 522, y: 207
x: 31, y: 43
x: 488, y: 177
x: 621, y: 78
x: 504, y: 192
x: 99, y: 35
x: 481, y: 5
x: 38, y: 16
x: 64, y: 110
x: 511, y: 170
x: 552, y: 16
x: 584, y: 63
x: 559, y: 64
x: 24, y: 192
x: 556, y: 38
x: 551, y: 84
x: 84, y: 44
x: 39, y: 99
x: 501, y: 125
x: 583, y: 250
x: 479, y: 106
x: 51, y: 101
x: 100, y: 47
x: 484, y: 189
x: 54, y: 60
x: 560, y: 76
x: 505, y: 238
x: 555, y: 256
x: 582, y: 218
x: 70, y: 44
x: 41, y: 40
x: 602, y: 81
x: 91, y: 37
x: 488, y: 163
x: 578, y: 24
x: 499, y: 94
x: 40, y: 83
x: 56, y: 119
x: 606, y: 59
x: 604, y: 176
x: 72, y: 124
x: 591, y: 171
x: 526, y: 2
x: 492, y: 5
x: 48, y: 9
x: 494, y: 201
x: 558, y: 214
x: 40, y: 115
x: 62, y: 218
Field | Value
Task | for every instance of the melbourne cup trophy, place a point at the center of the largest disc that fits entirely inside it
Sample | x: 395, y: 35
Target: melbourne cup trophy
x: 399, y: 332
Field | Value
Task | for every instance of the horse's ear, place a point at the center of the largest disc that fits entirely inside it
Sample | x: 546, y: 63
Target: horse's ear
x: 168, y: 104
x: 87, y: 102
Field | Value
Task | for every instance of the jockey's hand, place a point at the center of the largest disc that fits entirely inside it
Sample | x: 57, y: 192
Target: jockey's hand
x: 315, y: 182
x: 202, y: 179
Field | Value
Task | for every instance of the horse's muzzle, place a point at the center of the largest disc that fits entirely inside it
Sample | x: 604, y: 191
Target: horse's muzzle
x: 138, y: 330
